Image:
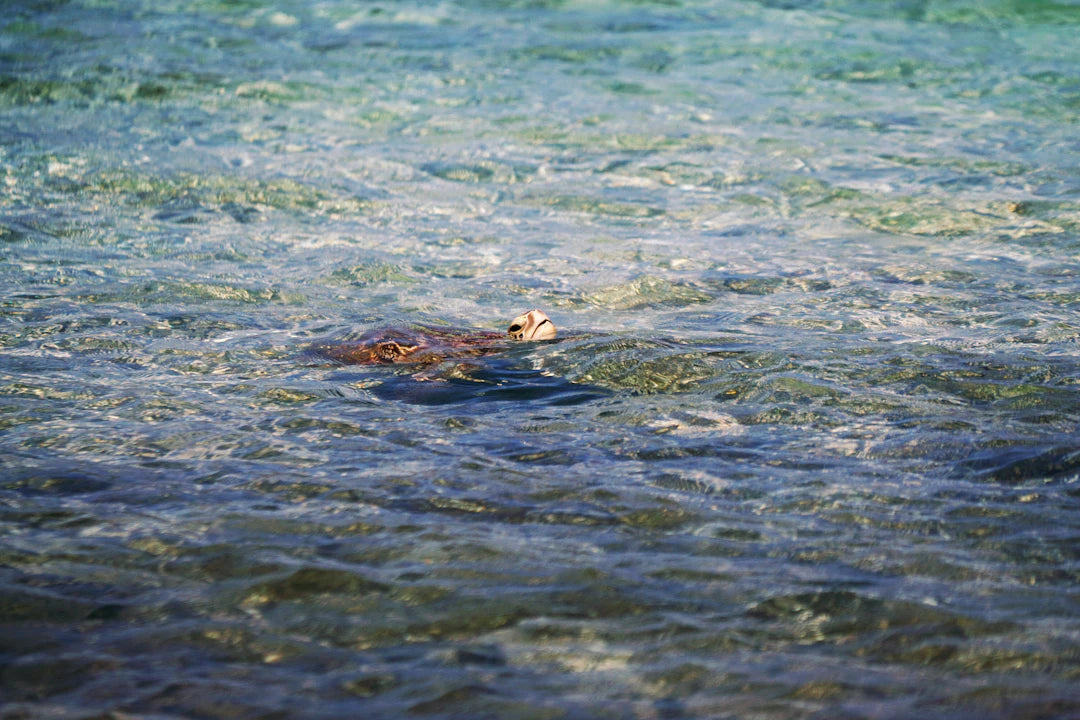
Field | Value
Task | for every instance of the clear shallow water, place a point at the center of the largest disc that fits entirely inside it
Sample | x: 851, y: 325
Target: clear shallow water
x: 808, y: 447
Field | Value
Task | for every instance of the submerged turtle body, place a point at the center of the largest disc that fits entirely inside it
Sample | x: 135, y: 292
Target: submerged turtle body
x: 430, y: 345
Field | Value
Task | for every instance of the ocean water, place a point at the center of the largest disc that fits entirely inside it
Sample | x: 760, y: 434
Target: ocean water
x: 807, y: 446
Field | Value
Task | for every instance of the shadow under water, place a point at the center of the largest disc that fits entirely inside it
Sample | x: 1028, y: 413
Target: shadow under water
x: 487, y: 380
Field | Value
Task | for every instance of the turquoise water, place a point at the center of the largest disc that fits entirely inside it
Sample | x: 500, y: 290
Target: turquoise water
x: 807, y: 446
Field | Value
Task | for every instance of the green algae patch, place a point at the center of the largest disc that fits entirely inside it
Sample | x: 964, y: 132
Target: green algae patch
x: 173, y: 291
x: 311, y: 582
x: 103, y: 85
x: 286, y: 396
x: 913, y: 217
x: 370, y: 274
x: 227, y: 192
x: 659, y: 518
x: 647, y: 291
x: 595, y: 206
x: 634, y: 365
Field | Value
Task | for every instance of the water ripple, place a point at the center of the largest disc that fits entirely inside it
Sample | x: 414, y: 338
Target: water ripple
x: 805, y: 446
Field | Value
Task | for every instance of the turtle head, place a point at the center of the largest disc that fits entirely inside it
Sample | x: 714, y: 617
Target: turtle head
x: 533, y: 325
x: 388, y: 351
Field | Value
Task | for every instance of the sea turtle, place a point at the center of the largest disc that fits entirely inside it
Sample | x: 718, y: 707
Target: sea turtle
x: 431, y: 345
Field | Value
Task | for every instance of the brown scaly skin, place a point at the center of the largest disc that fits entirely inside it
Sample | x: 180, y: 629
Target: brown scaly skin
x: 429, y: 345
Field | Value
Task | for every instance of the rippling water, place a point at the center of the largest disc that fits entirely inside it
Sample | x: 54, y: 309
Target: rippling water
x: 808, y: 446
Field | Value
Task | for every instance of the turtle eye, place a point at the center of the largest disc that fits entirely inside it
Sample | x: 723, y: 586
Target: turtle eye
x: 515, y: 328
x: 388, y: 350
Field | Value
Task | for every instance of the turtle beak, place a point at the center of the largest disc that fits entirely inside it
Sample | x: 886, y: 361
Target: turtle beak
x: 533, y: 325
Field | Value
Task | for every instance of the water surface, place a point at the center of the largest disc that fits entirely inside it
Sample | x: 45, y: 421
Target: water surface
x: 808, y: 446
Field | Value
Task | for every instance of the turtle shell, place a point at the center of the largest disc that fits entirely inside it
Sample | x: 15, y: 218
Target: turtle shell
x: 428, y: 344
x: 418, y: 345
